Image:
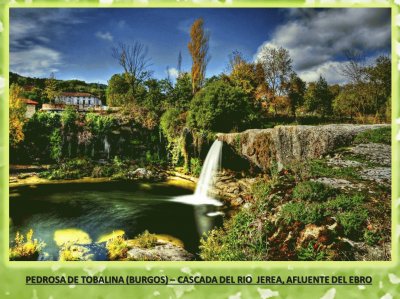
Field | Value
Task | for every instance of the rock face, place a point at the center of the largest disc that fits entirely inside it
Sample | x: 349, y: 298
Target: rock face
x: 160, y: 252
x: 284, y: 144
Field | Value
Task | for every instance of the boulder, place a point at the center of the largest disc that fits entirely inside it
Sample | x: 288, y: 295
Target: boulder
x: 160, y: 252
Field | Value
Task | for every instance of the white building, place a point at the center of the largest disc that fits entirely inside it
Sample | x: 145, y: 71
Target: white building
x: 30, y: 107
x: 82, y: 100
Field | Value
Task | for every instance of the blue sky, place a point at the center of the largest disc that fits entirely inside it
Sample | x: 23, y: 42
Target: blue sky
x: 77, y: 43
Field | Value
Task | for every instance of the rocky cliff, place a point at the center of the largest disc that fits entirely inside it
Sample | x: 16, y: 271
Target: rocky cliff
x: 284, y: 144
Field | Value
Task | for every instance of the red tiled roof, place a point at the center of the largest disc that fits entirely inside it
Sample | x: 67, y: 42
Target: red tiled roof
x: 76, y: 94
x: 30, y: 102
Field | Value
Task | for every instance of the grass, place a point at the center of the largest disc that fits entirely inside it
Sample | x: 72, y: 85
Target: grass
x: 318, y: 168
x: 381, y: 135
x: 25, y: 248
x: 312, y: 191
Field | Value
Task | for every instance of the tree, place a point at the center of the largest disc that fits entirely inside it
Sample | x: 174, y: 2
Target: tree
x: 181, y: 95
x: 219, y: 107
x: 17, y: 110
x: 51, y: 90
x: 134, y: 60
x: 277, y: 66
x: 318, y: 98
x: 198, y: 48
x: 117, y: 92
x: 296, y: 91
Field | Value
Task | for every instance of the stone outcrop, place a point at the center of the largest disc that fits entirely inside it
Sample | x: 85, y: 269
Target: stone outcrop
x: 284, y: 144
x: 160, y: 252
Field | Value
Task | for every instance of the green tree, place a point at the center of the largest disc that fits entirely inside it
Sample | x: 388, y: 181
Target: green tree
x: 318, y: 98
x: 220, y: 107
x: 181, y: 94
x: 17, y: 110
x: 296, y: 91
x: 117, y: 92
x: 51, y: 90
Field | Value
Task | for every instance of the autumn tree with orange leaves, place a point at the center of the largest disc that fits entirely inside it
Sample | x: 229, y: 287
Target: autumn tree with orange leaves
x: 198, y: 48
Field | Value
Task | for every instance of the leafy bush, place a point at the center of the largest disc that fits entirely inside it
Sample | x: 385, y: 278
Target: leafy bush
x: 372, y: 237
x: 352, y: 222
x: 261, y: 189
x: 146, y: 240
x: 345, y: 202
x: 72, y: 169
x: 117, y: 248
x: 380, y: 135
x: 306, y: 213
x: 312, y: 191
x: 25, y: 250
x: 195, y: 166
x: 312, y: 252
x: 219, y: 107
x: 243, y: 237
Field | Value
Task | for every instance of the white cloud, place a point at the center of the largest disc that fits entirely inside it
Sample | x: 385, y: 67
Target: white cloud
x: 316, y: 38
x: 105, y: 36
x: 37, y: 61
x: 173, y: 73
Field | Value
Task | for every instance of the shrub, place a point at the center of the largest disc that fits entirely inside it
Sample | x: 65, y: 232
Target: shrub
x: 380, y: 135
x: 25, y: 251
x: 243, y: 237
x: 313, y: 191
x: 312, y: 252
x: 372, y: 237
x: 195, y: 166
x: 219, y: 107
x: 261, y: 189
x: 345, y: 202
x: 117, y: 248
x: 146, y: 240
x: 304, y: 212
x: 352, y: 222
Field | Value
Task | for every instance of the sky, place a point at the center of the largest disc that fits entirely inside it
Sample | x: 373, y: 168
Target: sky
x: 77, y: 43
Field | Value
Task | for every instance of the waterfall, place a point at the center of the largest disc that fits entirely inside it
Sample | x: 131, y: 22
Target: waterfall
x: 107, y: 147
x: 210, y: 167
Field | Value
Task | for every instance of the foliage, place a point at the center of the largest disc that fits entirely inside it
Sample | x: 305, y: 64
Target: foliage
x: 380, y: 135
x: 243, y: 237
x: 219, y: 107
x: 277, y: 66
x: 198, y: 49
x: 56, y: 145
x: 71, y: 169
x: 312, y: 191
x: 17, y: 110
x: 372, y: 237
x: 117, y: 248
x: 51, y: 90
x: 296, y: 90
x: 345, y: 202
x: 146, y: 240
x: 318, y: 168
x: 25, y: 250
x: 318, y: 97
x: 118, y: 91
x: 195, y: 166
x: 313, y: 252
x: 306, y: 213
x: 352, y: 222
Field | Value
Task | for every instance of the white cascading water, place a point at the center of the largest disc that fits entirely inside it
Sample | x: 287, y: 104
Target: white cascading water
x: 208, y: 171
x: 210, y: 167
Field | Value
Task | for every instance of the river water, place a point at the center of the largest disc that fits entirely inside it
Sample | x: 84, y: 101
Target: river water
x: 93, y: 210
